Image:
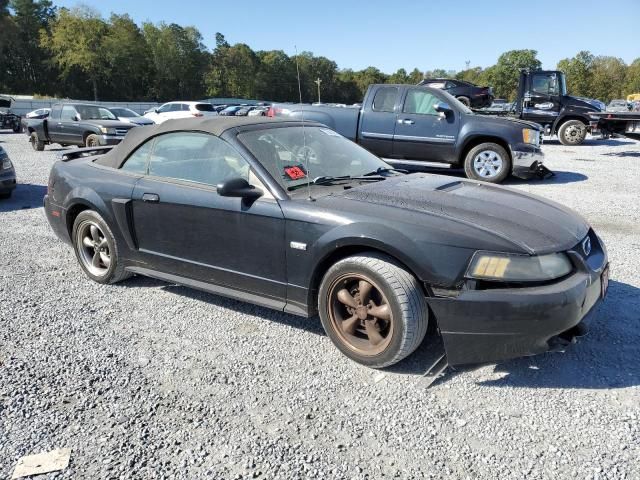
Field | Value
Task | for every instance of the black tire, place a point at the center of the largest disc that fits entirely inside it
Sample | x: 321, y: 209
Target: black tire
x: 5, y: 195
x: 572, y: 132
x: 17, y: 128
x: 404, y: 299
x: 465, y: 101
x: 112, y: 273
x: 36, y: 143
x: 92, y: 141
x: 488, y: 162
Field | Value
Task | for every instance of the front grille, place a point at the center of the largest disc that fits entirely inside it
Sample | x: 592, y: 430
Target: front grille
x: 121, y: 132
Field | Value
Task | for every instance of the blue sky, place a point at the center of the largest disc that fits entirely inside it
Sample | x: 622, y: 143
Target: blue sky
x: 392, y: 34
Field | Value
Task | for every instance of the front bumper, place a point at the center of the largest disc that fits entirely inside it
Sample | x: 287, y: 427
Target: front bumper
x: 110, y: 139
x: 7, y: 181
x: 56, y: 216
x: 484, y: 326
x: 526, y: 161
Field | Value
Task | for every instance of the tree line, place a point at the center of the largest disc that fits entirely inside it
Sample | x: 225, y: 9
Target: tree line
x: 76, y: 53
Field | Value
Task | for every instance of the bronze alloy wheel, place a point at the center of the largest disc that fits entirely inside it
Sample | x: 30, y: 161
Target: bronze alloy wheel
x: 93, y: 248
x: 360, y: 314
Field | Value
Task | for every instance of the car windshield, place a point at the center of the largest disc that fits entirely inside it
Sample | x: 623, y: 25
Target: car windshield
x: 90, y: 112
x: 296, y: 155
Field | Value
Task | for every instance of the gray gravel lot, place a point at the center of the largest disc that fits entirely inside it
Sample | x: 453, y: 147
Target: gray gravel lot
x: 149, y: 380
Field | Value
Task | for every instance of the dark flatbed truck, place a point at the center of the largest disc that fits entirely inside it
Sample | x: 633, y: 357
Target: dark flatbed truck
x: 622, y: 124
x: 543, y: 99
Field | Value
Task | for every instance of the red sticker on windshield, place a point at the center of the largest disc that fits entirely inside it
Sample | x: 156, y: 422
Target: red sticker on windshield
x: 295, y: 173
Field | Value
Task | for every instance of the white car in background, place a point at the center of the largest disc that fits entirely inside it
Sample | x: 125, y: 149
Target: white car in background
x: 129, y: 116
x: 172, y: 110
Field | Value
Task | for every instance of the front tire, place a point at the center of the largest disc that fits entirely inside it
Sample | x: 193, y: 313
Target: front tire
x: 572, y: 132
x: 465, y: 101
x: 488, y: 162
x: 96, y: 248
x: 92, y: 141
x: 36, y: 143
x: 372, y: 309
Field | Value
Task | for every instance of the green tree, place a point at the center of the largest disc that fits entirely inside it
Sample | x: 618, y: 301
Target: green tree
x: 127, y: 55
x: 76, y: 42
x: 578, y: 71
x: 608, y: 80
x: 416, y: 76
x: 504, y: 75
x: 632, y: 84
x: 179, y: 60
x: 400, y: 76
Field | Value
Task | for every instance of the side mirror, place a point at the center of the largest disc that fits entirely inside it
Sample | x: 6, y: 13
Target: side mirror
x: 76, y: 118
x: 156, y: 110
x: 443, y: 108
x: 238, y: 187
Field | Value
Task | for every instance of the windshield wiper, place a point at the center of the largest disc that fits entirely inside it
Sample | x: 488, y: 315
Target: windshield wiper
x: 328, y: 180
x: 380, y: 170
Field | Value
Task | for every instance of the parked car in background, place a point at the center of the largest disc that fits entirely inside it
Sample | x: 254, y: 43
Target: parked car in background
x: 129, y: 116
x: 219, y: 108
x: 174, y: 110
x: 244, y: 111
x: 39, y: 113
x: 416, y: 127
x: 77, y: 124
x: 224, y: 206
x: 467, y: 93
x: 258, y: 112
x: 618, y: 106
x: 231, y: 110
x: 7, y: 175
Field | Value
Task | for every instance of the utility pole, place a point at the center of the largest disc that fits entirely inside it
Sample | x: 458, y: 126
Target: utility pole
x: 318, y: 82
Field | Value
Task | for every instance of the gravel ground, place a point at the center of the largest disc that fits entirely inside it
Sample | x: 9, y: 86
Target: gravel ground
x: 150, y: 380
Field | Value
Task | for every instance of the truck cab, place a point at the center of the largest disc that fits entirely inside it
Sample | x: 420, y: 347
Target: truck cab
x: 543, y: 98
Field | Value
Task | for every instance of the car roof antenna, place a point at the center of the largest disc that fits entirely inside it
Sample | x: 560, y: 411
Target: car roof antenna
x: 304, y: 134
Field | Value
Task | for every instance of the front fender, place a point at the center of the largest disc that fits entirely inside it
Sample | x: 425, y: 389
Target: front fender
x: 373, y: 236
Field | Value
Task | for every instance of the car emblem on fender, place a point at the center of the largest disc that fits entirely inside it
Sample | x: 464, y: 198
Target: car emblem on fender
x: 586, y: 246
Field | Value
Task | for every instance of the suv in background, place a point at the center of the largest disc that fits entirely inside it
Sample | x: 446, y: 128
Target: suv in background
x: 181, y: 110
x: 470, y: 95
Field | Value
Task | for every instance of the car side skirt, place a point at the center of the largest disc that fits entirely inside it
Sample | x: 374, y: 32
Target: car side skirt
x: 235, y: 294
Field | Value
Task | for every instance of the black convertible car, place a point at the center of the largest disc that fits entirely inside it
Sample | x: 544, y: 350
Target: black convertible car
x: 240, y: 207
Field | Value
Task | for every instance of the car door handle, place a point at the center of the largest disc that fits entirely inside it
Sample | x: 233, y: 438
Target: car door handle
x: 150, y: 197
x: 404, y: 121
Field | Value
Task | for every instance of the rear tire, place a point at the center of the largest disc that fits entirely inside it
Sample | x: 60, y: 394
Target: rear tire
x: 465, y: 101
x: 17, y: 128
x: 96, y: 248
x: 36, y: 143
x: 372, y: 309
x: 488, y: 162
x: 6, y: 195
x: 572, y: 132
x: 92, y: 141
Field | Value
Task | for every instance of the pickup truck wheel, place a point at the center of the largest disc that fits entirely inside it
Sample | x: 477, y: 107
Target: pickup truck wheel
x: 92, y: 141
x: 96, y: 248
x: 17, y: 128
x: 372, y: 309
x: 572, y: 132
x: 36, y: 143
x: 465, y: 101
x: 488, y: 162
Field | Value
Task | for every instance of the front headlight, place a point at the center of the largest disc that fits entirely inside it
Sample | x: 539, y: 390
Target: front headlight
x: 6, y: 164
x: 529, y: 135
x: 518, y: 268
x: 108, y: 131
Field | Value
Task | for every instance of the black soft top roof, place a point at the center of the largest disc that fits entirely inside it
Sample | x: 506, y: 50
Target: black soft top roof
x: 216, y: 125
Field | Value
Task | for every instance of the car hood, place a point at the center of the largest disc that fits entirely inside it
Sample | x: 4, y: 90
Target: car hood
x: 508, y: 121
x: 108, y: 123
x: 529, y: 223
